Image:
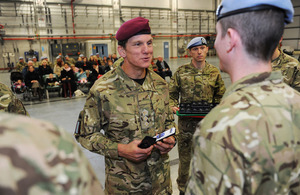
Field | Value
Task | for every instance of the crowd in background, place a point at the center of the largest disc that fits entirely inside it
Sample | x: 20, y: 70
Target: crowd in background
x: 70, y: 73
x: 65, y: 71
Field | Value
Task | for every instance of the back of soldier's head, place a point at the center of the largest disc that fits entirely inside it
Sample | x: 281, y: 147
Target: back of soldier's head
x: 260, y: 23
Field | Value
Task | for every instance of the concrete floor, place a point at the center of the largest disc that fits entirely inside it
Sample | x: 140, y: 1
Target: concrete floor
x: 64, y: 112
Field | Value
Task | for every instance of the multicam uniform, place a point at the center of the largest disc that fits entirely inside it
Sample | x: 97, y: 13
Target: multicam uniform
x: 21, y: 66
x: 290, y: 69
x: 39, y: 158
x: 119, y: 110
x: 36, y: 64
x: 192, y: 84
x: 250, y: 143
x: 71, y: 61
x: 9, y: 102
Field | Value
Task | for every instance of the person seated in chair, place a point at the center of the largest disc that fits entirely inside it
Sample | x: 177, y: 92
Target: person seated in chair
x: 33, y: 80
x: 52, y: 81
x: 97, y: 72
x: 68, y: 80
x: 44, y: 69
x: 163, y: 68
x: 81, y: 76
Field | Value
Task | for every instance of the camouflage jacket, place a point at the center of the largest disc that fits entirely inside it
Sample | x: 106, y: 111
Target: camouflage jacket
x: 119, y: 110
x: 20, y: 66
x: 71, y: 61
x: 39, y: 158
x: 192, y: 84
x: 290, y: 69
x: 9, y: 102
x: 250, y: 142
x: 36, y: 64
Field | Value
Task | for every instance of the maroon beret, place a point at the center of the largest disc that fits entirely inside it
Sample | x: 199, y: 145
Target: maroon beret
x: 133, y: 27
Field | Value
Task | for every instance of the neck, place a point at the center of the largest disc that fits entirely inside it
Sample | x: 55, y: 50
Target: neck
x: 133, y: 72
x: 245, y: 67
x: 198, y: 65
x: 276, y: 54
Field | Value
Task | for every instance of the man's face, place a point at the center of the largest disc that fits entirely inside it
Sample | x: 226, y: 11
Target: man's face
x: 138, y: 51
x: 199, y: 53
x: 30, y: 63
x: 219, y: 46
x: 34, y: 59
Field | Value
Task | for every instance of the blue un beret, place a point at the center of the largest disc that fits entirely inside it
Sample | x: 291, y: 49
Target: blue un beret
x: 196, y: 42
x: 232, y: 7
x: 133, y: 27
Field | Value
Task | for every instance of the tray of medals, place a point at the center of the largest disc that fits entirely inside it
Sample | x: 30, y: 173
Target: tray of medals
x: 195, y: 109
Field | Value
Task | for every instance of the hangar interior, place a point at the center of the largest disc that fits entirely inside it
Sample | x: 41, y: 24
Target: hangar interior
x: 71, y: 27
x: 50, y: 27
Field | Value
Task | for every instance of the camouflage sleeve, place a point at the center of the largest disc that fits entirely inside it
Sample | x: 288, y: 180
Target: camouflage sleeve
x: 235, y: 154
x: 219, y: 90
x: 296, y: 78
x: 92, y: 135
x: 19, y: 67
x: 9, y: 102
x: 38, y: 157
x: 16, y: 106
x: 174, y: 89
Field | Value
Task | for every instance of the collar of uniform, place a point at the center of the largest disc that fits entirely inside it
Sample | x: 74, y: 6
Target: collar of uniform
x: 253, y: 79
x: 130, y: 85
x: 276, y: 60
x: 202, y: 70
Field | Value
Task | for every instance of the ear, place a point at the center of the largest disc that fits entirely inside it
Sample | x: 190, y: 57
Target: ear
x: 233, y: 39
x: 122, y: 51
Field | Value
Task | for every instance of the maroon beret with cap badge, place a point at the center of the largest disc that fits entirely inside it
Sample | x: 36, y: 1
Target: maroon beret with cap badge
x: 133, y: 27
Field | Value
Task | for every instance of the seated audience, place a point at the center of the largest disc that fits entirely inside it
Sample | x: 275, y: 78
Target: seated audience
x: 52, y: 81
x: 68, y: 81
x: 163, y: 68
x: 45, y: 69
x: 74, y: 68
x: 86, y: 65
x: 81, y: 76
x: 19, y: 86
x: 21, y: 64
x: 97, y: 72
x: 58, y: 67
x: 33, y: 80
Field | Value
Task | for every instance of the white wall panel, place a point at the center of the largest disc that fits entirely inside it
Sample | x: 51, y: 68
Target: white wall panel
x: 146, y: 3
x: 97, y: 2
x: 196, y: 4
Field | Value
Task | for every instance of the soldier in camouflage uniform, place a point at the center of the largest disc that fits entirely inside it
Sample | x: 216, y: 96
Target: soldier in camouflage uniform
x: 35, y: 63
x: 118, y: 62
x: 195, y: 81
x: 9, y: 102
x: 250, y: 142
x: 21, y: 64
x: 69, y: 60
x: 123, y: 106
x: 39, y: 158
x: 289, y: 67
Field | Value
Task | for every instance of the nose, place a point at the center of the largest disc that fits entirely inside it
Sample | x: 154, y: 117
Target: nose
x: 147, y: 48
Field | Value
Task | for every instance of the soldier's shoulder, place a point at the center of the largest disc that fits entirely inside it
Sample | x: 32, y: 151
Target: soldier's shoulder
x: 43, y: 151
x: 184, y: 67
x: 157, y: 79
x: 291, y: 60
x: 4, y: 88
x: 105, y: 81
